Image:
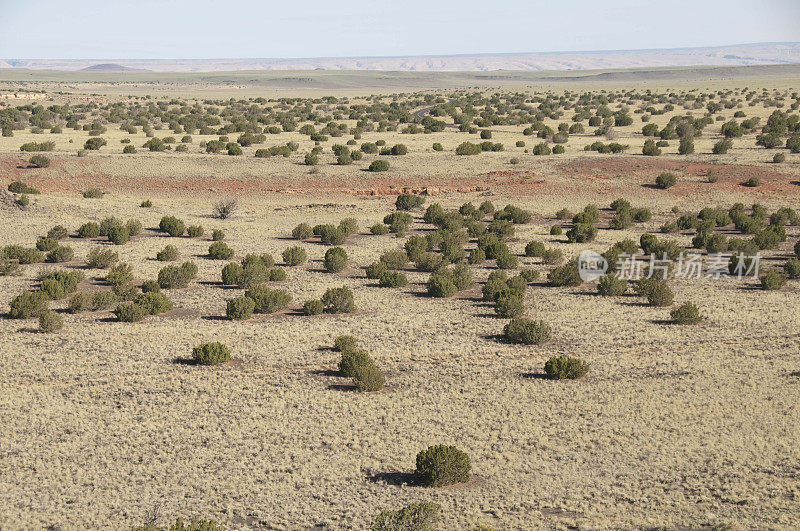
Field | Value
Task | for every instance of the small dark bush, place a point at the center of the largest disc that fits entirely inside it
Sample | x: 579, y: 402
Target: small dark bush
x: 211, y: 354
x: 565, y: 275
x: 119, y: 235
x: 611, y: 285
x: 220, y: 251
x: 335, y: 259
x: 50, y: 321
x: 379, y: 165
x: 39, y: 161
x: 226, y: 208
x: 420, y: 516
x: 313, y: 307
x: 660, y: 294
x: 93, y: 193
x: 339, y: 300
x: 232, y: 274
x: 119, y: 274
x: 565, y: 367
x: 408, y: 202
x: 28, y: 304
x: 217, y: 235
x: 60, y: 254
x: 686, y: 313
x: 240, y: 308
x: 168, y: 254
x: 172, y: 226
x: 666, y: 180
x: 302, y: 232
x: 442, y: 465
x: 194, y: 231
x: 527, y: 331
x: 268, y: 300
x: 393, y: 279
x: 153, y: 303
x: 773, y: 280
x: 129, y: 312
x: 368, y: 378
x: 294, y: 256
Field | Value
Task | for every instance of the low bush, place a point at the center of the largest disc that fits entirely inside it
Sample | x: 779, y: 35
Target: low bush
x: 294, y: 256
x: 175, y: 277
x: 509, y: 303
x: 129, y: 312
x: 344, y: 343
x: 240, y: 308
x: 172, y: 226
x: 45, y: 244
x: 686, y: 313
x: 153, y: 303
x: 313, y: 307
x: 379, y: 165
x: 611, y: 285
x: 60, y: 254
x: 217, y: 235
x: 57, y: 233
x: 195, y: 231
x: 419, y: 516
x: 150, y: 286
x: 23, y: 255
x: 565, y: 275
x: 335, y: 260
x: 19, y: 187
x: 534, y: 249
x: 119, y: 235
x: 268, y: 300
x: 442, y: 465
x: 339, y: 300
x: 660, y: 294
x: 93, y: 193
x: 527, y: 331
x: 58, y: 284
x: 302, y: 232
x: 225, y: 208
x: 552, y: 256
x: 408, y: 201
x: 89, y: 230
x: 666, y: 180
x: 211, y: 354
x: 168, y: 254
x: 375, y: 270
x: 50, y: 321
x: 119, y: 274
x: 441, y: 285
x: 352, y: 359
x: 792, y: 268
x: 773, y: 280
x: 220, y: 251
x: 368, y: 378
x: 565, y: 368
x: 393, y: 279
x: 582, y: 233
x: 28, y: 304
x: 379, y: 229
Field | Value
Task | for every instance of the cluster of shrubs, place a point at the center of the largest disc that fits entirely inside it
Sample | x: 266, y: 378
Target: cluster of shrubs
x: 327, y: 233
x: 254, y: 269
x: 357, y: 364
x: 334, y: 300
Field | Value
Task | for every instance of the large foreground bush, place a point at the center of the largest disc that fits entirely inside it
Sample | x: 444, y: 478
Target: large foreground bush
x: 442, y: 465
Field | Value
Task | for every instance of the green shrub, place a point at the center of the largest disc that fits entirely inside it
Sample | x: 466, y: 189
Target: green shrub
x: 666, y: 180
x: 294, y: 256
x: 175, y: 277
x: 46, y: 244
x: 368, y: 378
x: 335, y: 259
x: 89, y: 230
x: 146, y: 204
x: 119, y: 235
x: 153, y: 303
x: 232, y: 274
x: 565, y: 275
x: 582, y: 233
x: 150, y: 286
x: 565, y: 367
x: 168, y: 254
x: 28, y: 304
x: 302, y: 232
x: 345, y: 342
x: 50, y: 321
x: 211, y: 354
x: 58, y: 232
x: 659, y: 294
x: 217, y: 235
x: 172, y: 226
x: 420, y: 516
x: 534, y: 249
x: 527, y: 331
x: 268, y: 300
x: 129, y: 312
x: 134, y: 227
x: 442, y: 465
x: 220, y: 251
x: 792, y: 268
x: 395, y: 259
x: 253, y: 274
x: 773, y: 280
x: 408, y: 201
x: 194, y: 231
x: 379, y: 165
x: 313, y: 307
x: 58, y: 284
x: 611, y: 285
x: 753, y: 182
x: 509, y: 303
x: 60, y: 254
x: 240, y: 308
x: 80, y: 302
x: 352, y: 359
x: 119, y: 274
x: 23, y: 255
x: 339, y: 300
x: 468, y: 148
x: 441, y: 285
x: 393, y: 279
x: 686, y: 313
x: 19, y: 187
x: 277, y: 274
x: 379, y: 229
x: 552, y: 256
x: 107, y: 223
x: 94, y: 143
x: 375, y: 270
x: 93, y: 193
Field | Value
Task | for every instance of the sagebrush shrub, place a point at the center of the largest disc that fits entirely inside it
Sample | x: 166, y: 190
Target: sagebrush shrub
x: 442, y: 465
x: 339, y: 300
x: 792, y: 268
x: 611, y: 285
x: 509, y: 303
x: 335, y: 259
x: 565, y: 367
x: 686, y: 313
x: 294, y: 256
x: 345, y: 342
x: 119, y: 235
x: 534, y: 249
x: 352, y: 359
x: 302, y: 232
x: 129, y: 312
x: 240, y: 308
x: 153, y: 302
x: 396, y: 259
x: 43, y: 243
x: 419, y: 516
x: 120, y: 274
x: 217, y: 235
x: 173, y: 277
x: 253, y: 274
x: 23, y: 255
x: 80, y: 302
x: 58, y: 232
x: 168, y: 254
x: 379, y: 229
x: 375, y: 270
x: 89, y: 230
x: 232, y: 274
x: 660, y: 294
x: 50, y: 321
x: 28, y: 304
x: 393, y: 279
x: 313, y: 307
x: 368, y: 378
x: 172, y: 226
x: 268, y: 300
x: 565, y: 275
x: 773, y: 280
x: 103, y: 300
x: 408, y: 201
x: 211, y: 354
x: 134, y: 227
x: 276, y: 274
x: 220, y: 251
x: 666, y: 180
x: 507, y: 260
x: 527, y: 331
x: 441, y: 285
x: 150, y: 286
x: 60, y: 254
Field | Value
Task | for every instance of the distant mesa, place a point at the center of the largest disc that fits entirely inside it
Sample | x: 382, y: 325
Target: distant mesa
x: 111, y: 67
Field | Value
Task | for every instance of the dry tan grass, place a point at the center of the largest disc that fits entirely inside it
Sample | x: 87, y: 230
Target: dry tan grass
x: 674, y: 426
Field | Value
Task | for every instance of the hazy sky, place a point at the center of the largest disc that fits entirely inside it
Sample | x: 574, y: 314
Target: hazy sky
x: 173, y: 29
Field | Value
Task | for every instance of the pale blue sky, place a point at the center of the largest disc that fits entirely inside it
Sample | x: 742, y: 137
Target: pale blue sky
x: 188, y: 29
